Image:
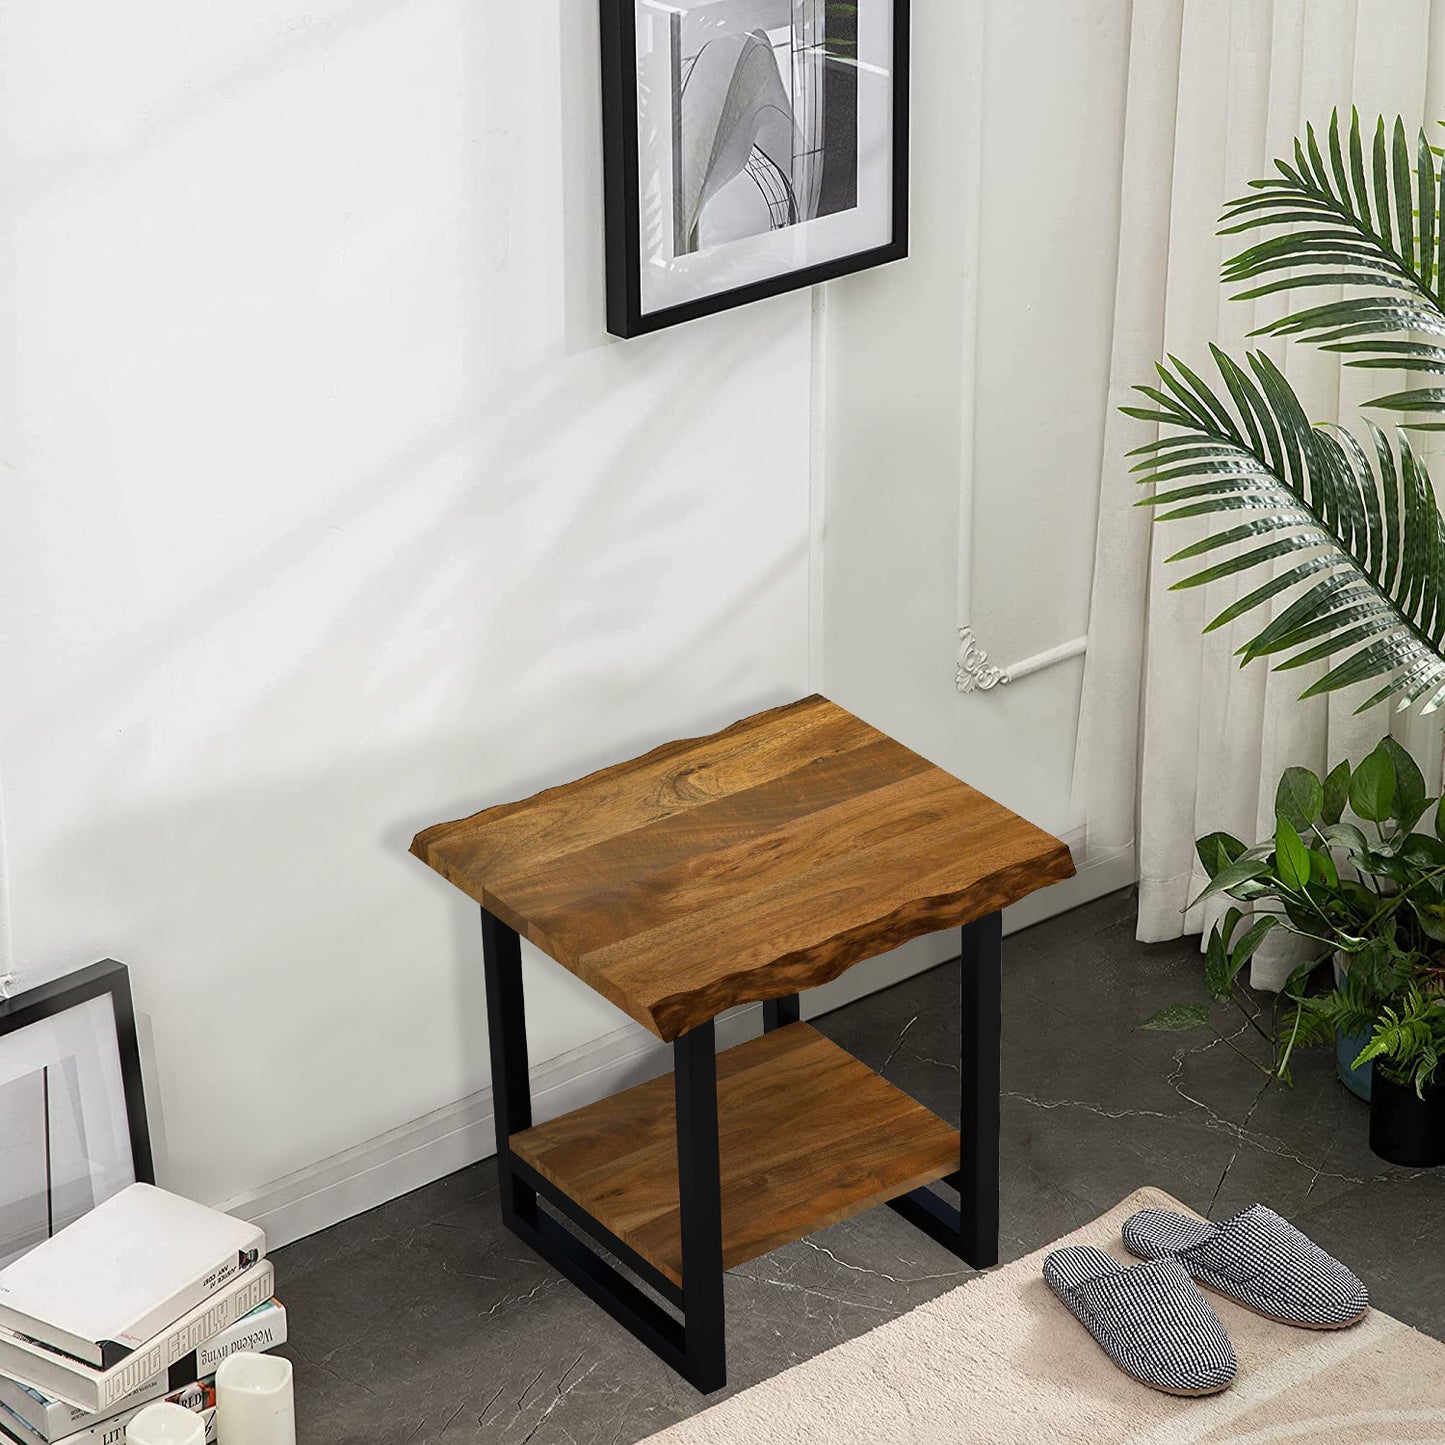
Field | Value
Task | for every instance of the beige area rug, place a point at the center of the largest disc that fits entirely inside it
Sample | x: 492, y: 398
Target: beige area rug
x: 1000, y: 1360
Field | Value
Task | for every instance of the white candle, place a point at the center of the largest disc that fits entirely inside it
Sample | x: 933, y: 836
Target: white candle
x: 254, y: 1401
x: 163, y: 1424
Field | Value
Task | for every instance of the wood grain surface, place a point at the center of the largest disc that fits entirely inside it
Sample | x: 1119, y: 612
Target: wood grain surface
x: 759, y: 861
x: 806, y: 1136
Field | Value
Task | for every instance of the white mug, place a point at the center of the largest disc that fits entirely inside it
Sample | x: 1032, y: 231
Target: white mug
x: 166, y: 1424
x: 255, y: 1404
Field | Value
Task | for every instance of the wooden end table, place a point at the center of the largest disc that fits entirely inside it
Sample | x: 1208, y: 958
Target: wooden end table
x: 746, y: 866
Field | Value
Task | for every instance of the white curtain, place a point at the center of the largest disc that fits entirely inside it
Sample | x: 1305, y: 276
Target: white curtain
x: 1175, y: 739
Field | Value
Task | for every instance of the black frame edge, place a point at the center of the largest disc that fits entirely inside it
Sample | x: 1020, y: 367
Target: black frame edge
x: 619, y: 166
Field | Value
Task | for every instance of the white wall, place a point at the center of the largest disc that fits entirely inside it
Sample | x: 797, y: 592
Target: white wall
x: 330, y: 512
x: 981, y: 365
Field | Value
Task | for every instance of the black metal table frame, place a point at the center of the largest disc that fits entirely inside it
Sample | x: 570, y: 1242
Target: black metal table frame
x: 695, y: 1345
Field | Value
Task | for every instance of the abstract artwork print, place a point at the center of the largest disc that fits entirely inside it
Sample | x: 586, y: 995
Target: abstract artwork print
x: 764, y: 117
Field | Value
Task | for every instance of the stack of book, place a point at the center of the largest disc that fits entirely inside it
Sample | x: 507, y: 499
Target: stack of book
x: 137, y: 1301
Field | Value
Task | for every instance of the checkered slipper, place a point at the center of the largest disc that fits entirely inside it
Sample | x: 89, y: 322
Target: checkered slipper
x: 1259, y: 1261
x: 1150, y: 1319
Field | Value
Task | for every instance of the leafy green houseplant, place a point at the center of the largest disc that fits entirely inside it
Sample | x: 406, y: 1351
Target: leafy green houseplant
x: 1349, y: 541
x: 1369, y: 893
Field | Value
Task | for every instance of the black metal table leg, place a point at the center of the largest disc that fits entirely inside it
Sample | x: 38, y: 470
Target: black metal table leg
x: 694, y: 1346
x: 978, y: 1182
x: 507, y: 1035
x: 971, y: 1230
x: 700, y: 1190
x: 778, y: 1012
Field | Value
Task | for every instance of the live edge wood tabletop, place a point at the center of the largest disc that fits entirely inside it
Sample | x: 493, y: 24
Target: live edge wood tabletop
x: 751, y: 864
x: 746, y: 866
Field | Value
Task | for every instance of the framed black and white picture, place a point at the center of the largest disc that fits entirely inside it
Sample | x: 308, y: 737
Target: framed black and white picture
x: 73, y: 1125
x: 750, y: 147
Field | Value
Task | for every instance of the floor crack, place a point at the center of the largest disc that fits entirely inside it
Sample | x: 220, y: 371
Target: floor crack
x: 1234, y: 1153
x: 880, y: 1274
x: 516, y: 1299
x: 1329, y: 1150
x: 322, y: 1365
x: 898, y: 1043
x: 451, y: 1269
x: 1265, y: 1143
x: 562, y: 1391
x: 487, y: 1408
x: 521, y: 1399
x: 1088, y: 1108
x: 1176, y: 1073
x: 805, y: 1289
x: 446, y: 1424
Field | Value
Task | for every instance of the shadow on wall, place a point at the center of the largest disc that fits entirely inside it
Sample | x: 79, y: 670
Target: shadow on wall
x: 609, y: 546
x: 306, y: 41
x: 472, y: 485
x: 295, y: 958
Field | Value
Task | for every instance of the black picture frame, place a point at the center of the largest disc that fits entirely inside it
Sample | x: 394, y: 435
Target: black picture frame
x: 622, y: 188
x: 105, y: 979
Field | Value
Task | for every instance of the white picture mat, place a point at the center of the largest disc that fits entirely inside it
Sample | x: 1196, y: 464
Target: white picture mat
x: 82, y: 1042
x: 45, y: 1173
x: 669, y: 279
x: 24, y: 1187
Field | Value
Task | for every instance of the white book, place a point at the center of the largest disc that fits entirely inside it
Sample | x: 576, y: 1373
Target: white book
x: 53, y: 1420
x: 200, y: 1398
x: 123, y: 1273
x: 12, y: 1427
x: 261, y: 1330
x: 101, y: 1390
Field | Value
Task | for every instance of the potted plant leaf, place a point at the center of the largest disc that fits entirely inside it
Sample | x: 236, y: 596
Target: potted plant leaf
x: 1348, y: 541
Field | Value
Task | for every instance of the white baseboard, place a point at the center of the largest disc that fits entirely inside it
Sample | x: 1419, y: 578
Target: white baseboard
x: 450, y: 1138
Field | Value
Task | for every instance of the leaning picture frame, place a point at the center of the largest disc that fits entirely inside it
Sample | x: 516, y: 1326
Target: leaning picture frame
x: 750, y: 147
x: 73, y: 1128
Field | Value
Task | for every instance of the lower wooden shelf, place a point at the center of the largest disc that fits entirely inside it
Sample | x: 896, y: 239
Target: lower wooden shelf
x: 807, y: 1135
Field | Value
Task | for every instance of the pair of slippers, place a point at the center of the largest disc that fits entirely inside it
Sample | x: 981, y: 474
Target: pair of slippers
x: 1153, y: 1322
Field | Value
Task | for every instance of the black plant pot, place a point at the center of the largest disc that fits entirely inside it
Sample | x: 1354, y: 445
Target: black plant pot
x: 1404, y: 1128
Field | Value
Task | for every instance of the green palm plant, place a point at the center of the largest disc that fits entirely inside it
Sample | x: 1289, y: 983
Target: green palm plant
x: 1352, y: 526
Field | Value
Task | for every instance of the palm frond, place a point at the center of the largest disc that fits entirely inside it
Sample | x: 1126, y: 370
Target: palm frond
x: 1358, y: 534
x: 1372, y: 222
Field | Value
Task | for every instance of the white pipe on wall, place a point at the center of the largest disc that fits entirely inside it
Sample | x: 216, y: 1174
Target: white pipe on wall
x: 975, y: 673
x: 972, y: 240
x: 1047, y: 658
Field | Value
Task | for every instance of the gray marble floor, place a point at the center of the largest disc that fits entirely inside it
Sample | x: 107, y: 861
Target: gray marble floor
x: 424, y: 1321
